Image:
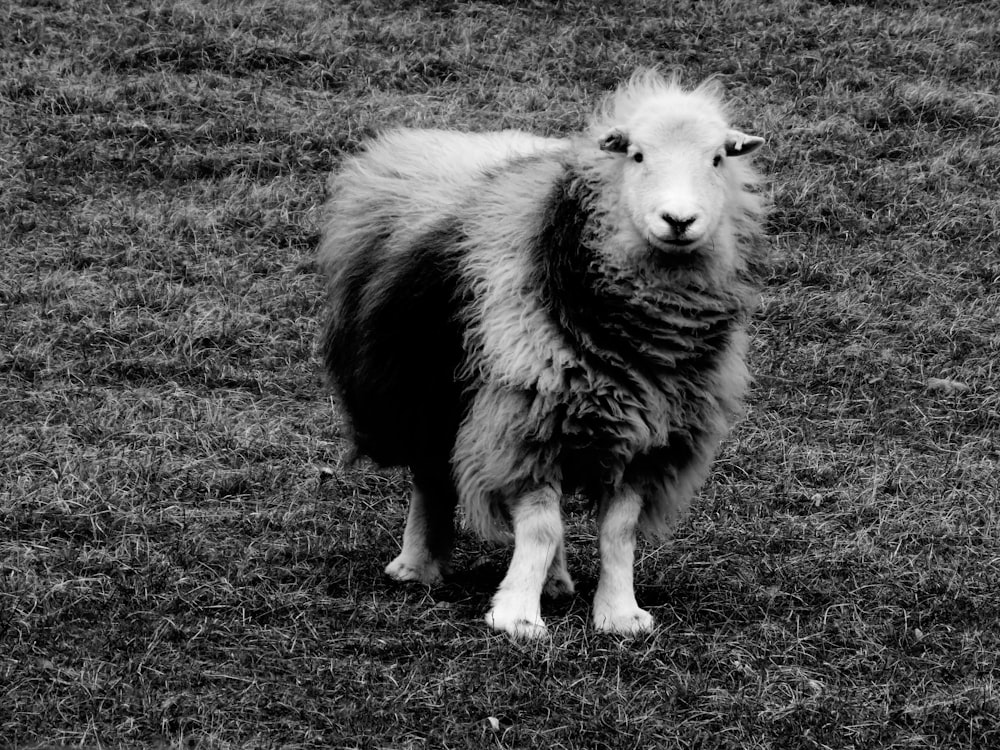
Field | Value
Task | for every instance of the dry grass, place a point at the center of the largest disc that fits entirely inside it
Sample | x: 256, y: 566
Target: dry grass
x: 183, y: 562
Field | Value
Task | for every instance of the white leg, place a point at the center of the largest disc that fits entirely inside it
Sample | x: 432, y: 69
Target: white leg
x: 537, y: 535
x: 615, y: 608
x: 558, y: 583
x: 430, y: 530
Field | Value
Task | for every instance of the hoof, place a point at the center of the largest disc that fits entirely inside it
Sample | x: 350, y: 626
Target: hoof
x: 407, y: 569
x: 631, y: 621
x: 517, y: 626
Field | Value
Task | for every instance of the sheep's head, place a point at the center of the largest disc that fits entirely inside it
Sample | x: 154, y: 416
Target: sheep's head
x: 678, y: 167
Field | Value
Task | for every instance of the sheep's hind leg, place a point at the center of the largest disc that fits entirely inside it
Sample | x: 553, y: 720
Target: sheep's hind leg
x: 430, y: 530
x: 537, y: 537
x: 615, y: 607
x: 558, y: 582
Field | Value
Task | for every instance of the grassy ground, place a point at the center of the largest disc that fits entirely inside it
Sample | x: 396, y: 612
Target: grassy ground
x: 184, y: 564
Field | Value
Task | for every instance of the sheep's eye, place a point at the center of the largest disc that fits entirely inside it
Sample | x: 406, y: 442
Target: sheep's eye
x: 717, y: 160
x: 637, y: 156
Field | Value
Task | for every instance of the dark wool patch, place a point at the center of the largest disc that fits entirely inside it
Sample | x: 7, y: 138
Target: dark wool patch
x: 680, y: 450
x: 342, y: 323
x: 570, y: 282
x: 395, y: 348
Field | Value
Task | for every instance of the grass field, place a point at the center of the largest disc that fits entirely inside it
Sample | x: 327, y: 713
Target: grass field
x: 184, y: 563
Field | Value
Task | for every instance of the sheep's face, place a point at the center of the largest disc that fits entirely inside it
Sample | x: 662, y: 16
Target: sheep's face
x: 675, y: 183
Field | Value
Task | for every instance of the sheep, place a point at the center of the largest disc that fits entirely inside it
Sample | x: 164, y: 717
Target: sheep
x: 516, y: 317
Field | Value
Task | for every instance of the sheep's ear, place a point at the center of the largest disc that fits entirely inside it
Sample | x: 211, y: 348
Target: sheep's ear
x: 615, y: 141
x: 741, y: 144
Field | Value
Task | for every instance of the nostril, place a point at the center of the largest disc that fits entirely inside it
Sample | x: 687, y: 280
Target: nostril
x: 678, y: 224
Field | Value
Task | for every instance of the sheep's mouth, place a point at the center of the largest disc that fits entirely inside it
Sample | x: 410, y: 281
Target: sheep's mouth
x: 682, y: 244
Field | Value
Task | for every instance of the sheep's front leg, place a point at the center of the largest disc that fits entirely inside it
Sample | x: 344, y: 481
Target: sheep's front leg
x: 430, y: 530
x: 615, y: 607
x: 538, y: 535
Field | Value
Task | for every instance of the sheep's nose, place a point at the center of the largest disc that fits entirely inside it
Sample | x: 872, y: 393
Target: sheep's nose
x: 677, y: 223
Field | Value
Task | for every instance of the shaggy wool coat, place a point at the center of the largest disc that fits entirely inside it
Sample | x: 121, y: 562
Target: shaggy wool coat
x: 484, y: 324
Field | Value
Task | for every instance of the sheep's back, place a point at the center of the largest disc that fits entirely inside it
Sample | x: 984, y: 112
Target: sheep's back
x: 405, y: 181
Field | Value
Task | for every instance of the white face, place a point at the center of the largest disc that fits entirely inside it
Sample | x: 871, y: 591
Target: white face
x: 674, y: 181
